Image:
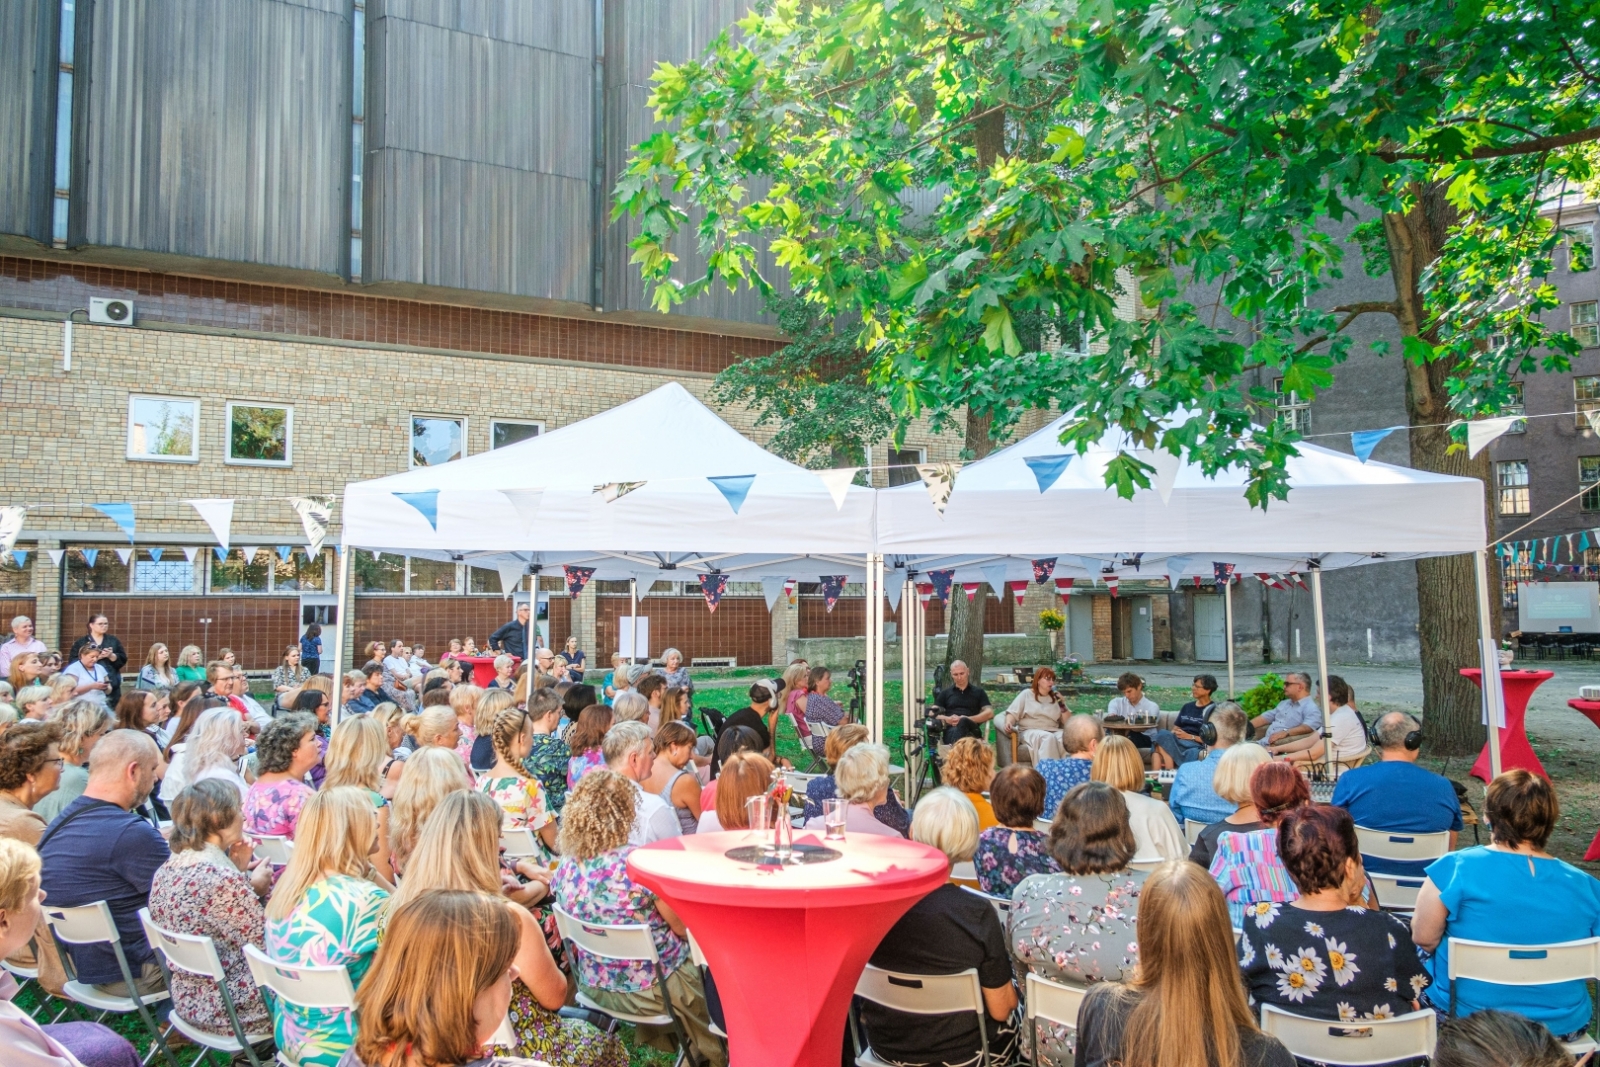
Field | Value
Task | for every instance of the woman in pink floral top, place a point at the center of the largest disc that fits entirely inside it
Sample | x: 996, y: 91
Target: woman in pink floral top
x: 519, y: 794
x: 286, y: 750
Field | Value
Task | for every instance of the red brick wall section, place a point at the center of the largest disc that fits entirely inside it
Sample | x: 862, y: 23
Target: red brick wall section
x: 435, y: 620
x: 10, y: 608
x: 257, y: 628
x: 849, y: 616
x: 741, y: 627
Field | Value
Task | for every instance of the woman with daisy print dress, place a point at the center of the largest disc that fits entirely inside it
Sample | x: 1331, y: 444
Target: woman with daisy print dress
x: 1325, y: 955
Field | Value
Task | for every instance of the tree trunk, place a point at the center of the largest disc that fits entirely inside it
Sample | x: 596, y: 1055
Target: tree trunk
x: 965, y: 621
x: 1447, y: 609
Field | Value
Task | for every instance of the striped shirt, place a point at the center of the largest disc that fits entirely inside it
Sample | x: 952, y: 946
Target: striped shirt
x: 1251, y: 874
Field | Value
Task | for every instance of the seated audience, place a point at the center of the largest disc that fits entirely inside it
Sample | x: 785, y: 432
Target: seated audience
x: 98, y: 849
x: 503, y: 666
x: 1295, y: 721
x: 1346, y: 733
x: 634, y: 707
x: 508, y: 783
x: 30, y: 768
x: 1012, y: 850
x: 439, y: 728
x: 460, y: 850
x: 761, y: 716
x: 326, y: 909
x: 631, y: 752
x: 1193, y: 794
x: 1185, y: 1006
x: 862, y: 777
x: 1510, y: 892
x: 1324, y: 954
x: 817, y: 710
x: 1183, y: 744
x: 947, y: 931
x: 969, y: 767
x: 730, y: 741
x: 1081, y: 738
x: 585, y: 739
x: 669, y: 777
x: 24, y: 1042
x: 463, y: 701
x: 652, y: 689
x: 83, y: 725
x: 206, y: 889
x: 356, y: 755
x: 1155, y: 831
x: 33, y: 702
x: 1232, y: 784
x: 488, y: 709
x: 548, y: 755
x: 574, y: 698
x: 1036, y: 717
x: 1134, y: 707
x: 317, y: 704
x: 1247, y: 865
x: 371, y: 693
x: 430, y: 775
x: 594, y: 886
x: 215, y: 748
x: 285, y: 753
x: 745, y: 775
x: 824, y: 787
x: 1395, y: 794
x: 1492, y: 1038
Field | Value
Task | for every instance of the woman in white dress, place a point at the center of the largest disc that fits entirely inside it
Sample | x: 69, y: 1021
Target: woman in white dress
x: 1036, y: 717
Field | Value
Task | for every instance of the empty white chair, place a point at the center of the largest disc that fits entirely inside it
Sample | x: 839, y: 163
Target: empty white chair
x: 304, y: 986
x: 1387, y: 845
x: 1355, y: 1043
x: 275, y: 850
x: 1054, y: 1002
x: 919, y: 994
x: 1565, y: 961
x: 197, y: 955
x: 91, y: 924
x: 518, y: 842
x: 1191, y: 830
x: 630, y: 942
x: 699, y: 959
x: 1397, y: 892
x: 964, y: 873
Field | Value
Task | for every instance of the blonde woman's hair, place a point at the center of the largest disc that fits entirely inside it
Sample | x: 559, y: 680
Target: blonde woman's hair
x: 81, y: 720
x: 970, y: 765
x: 356, y: 752
x: 459, y: 848
x: 598, y: 815
x: 503, y: 733
x: 216, y: 742
x: 430, y: 775
x: 946, y: 820
x: 434, y: 723
x: 745, y: 775
x: 1232, y: 779
x: 464, y: 700
x: 333, y: 835
x: 862, y: 772
x: 1187, y: 974
x: 631, y: 706
x: 1118, y: 764
x: 185, y: 655
x: 386, y: 715
x: 19, y: 872
x: 319, y: 683
x: 488, y: 709
x: 842, y: 740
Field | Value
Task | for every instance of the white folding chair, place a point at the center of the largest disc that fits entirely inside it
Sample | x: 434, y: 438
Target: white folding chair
x: 964, y: 873
x: 920, y: 994
x: 275, y: 850
x: 1396, y: 892
x: 1001, y: 905
x: 699, y: 959
x: 91, y: 924
x: 631, y: 943
x: 1397, y: 845
x: 1355, y: 1043
x: 304, y: 986
x: 1191, y: 830
x: 1145, y: 863
x: 1516, y: 965
x: 1042, y: 825
x: 1053, y: 1002
x: 197, y: 955
x: 24, y: 975
x: 518, y: 842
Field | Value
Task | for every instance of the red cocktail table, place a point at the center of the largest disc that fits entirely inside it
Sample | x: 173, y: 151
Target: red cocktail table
x: 1589, y: 709
x: 483, y: 668
x: 788, y: 945
x: 1515, y: 751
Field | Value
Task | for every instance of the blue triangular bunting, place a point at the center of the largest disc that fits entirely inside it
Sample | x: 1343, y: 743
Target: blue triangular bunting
x: 734, y: 488
x: 121, y: 514
x: 426, y: 502
x: 285, y: 551
x: 90, y: 555
x: 20, y: 556
x: 1362, y: 442
x: 222, y: 554
x: 155, y: 554
x: 1046, y: 469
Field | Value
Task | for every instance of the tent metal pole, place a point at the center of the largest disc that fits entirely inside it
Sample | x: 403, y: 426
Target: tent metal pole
x: 1227, y: 611
x: 874, y: 708
x: 342, y: 611
x: 1322, y: 663
x: 908, y: 639
x: 1491, y: 659
x: 633, y: 620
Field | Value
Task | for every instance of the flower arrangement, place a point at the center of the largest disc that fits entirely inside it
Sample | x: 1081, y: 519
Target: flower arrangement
x: 1052, y: 619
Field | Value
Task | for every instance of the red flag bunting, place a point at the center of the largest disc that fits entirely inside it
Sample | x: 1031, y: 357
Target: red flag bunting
x: 1018, y: 589
x: 971, y: 589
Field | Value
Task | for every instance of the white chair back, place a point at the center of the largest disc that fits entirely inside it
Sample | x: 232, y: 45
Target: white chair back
x: 964, y: 871
x: 1042, y: 825
x: 695, y: 954
x: 922, y: 994
x: 85, y: 924
x: 275, y: 850
x: 1386, y: 845
x: 1191, y: 830
x: 1356, y: 1043
x: 1145, y: 863
x: 303, y: 986
x: 1396, y: 892
x: 194, y: 953
x: 631, y: 942
x: 518, y: 842
x: 1053, y: 1002
x: 1566, y: 961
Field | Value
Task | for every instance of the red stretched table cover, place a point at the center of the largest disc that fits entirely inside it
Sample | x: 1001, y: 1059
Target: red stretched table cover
x: 483, y: 668
x: 1590, y: 709
x: 1515, y: 751
x: 788, y: 945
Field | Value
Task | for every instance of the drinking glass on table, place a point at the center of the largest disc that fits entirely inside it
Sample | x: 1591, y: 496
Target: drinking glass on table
x: 834, y: 812
x: 758, y: 813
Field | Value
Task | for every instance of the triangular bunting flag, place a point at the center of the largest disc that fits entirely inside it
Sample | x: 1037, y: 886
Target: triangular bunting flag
x: 124, y: 554
x: 611, y: 492
x: 713, y: 586
x: 1167, y: 467
x: 510, y: 577
x: 1019, y: 590
x: 218, y: 515
x: 426, y: 502
x: 772, y: 589
x: 1063, y: 587
x: 734, y: 488
x: 1593, y: 417
x: 1362, y: 442
x: 56, y: 555
x: 121, y: 514
x: 1481, y: 432
x: 221, y: 554
x: 90, y: 555
x: 995, y: 575
x: 1266, y: 579
x: 832, y: 586
x: 971, y: 589
x: 19, y: 557
x: 189, y: 554
x: 941, y: 584
x: 154, y: 553
x: 789, y: 585
x: 1046, y: 469
x: 1111, y: 583
x: 1043, y: 569
x: 250, y: 552
x: 315, y: 516
x: 526, y: 503
x: 894, y: 583
x: 1176, y: 566
x: 838, y: 482
x: 1223, y: 572
x: 1570, y: 553
x: 10, y: 525
x: 285, y: 552
x: 924, y: 591
x: 577, y: 578
x: 940, y: 478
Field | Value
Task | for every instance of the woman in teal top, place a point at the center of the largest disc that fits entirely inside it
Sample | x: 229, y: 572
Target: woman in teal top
x: 1511, y: 892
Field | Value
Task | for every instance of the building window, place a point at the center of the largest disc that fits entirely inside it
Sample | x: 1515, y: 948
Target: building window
x: 300, y: 573
x: 1516, y: 407
x: 1589, y: 482
x: 96, y: 570
x: 15, y: 579
x: 903, y: 466
x: 1585, y: 398
x: 1580, y: 248
x: 430, y: 576
x: 162, y: 570
x: 1293, y: 412
x: 162, y: 429
x: 388, y: 573
x: 1072, y: 341
x: 1586, y: 323
x: 260, y: 435
x: 504, y: 432
x: 238, y: 574
x: 1511, y: 481
x: 437, y: 439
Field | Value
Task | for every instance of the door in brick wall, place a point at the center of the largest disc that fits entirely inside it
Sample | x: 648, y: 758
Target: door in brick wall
x: 1144, y: 646
x: 1210, y: 629
x: 1080, y: 628
x: 323, y: 610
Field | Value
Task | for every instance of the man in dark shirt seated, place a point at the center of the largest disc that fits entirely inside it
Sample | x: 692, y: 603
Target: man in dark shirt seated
x: 97, y: 849
x: 761, y: 716
x: 965, y: 706
x: 1397, y: 795
x: 372, y: 693
x: 512, y: 638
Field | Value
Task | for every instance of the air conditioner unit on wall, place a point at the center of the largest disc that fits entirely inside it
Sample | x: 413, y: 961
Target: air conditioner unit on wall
x: 111, y: 312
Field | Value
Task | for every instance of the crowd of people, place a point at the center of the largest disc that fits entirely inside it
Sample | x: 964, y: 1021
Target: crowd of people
x: 393, y: 816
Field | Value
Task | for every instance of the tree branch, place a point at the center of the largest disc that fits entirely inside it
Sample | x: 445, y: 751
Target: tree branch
x: 1521, y: 148
x: 1354, y: 311
x: 1160, y: 182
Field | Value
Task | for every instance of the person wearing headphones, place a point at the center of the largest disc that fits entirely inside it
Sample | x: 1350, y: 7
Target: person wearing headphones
x: 1396, y: 795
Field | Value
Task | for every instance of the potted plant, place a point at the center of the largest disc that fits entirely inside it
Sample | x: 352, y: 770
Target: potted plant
x: 1052, y: 621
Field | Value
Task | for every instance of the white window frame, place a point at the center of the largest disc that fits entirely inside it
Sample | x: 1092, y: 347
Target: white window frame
x: 1579, y: 231
x: 922, y: 457
x: 1519, y: 408
x: 513, y: 422
x: 228, y: 457
x: 411, y: 430
x: 136, y: 457
x: 1507, y: 491
x: 1291, y: 409
x: 1589, y: 324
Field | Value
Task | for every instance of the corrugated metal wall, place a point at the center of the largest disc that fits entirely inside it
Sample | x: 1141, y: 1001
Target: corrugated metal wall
x: 218, y: 130
x: 27, y: 116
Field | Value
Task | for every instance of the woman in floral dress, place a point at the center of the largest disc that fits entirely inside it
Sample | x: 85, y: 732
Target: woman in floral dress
x: 285, y: 751
x: 1012, y: 851
x: 326, y: 910
x: 518, y: 793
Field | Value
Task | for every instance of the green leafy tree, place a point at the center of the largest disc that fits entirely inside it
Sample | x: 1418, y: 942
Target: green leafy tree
x: 941, y: 168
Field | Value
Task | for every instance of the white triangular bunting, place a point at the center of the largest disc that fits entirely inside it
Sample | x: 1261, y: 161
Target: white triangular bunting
x: 315, y: 515
x: 995, y: 575
x: 1481, y: 432
x: 1167, y: 467
x: 894, y: 583
x: 838, y: 482
x: 55, y: 555
x: 218, y: 515
x: 10, y: 526
x: 189, y: 554
x: 772, y: 589
x: 124, y: 554
x: 510, y: 577
x: 940, y: 480
x: 249, y: 553
x: 526, y: 503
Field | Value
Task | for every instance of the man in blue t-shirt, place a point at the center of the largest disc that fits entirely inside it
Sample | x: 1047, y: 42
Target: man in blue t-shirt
x: 1398, y: 796
x: 97, y: 849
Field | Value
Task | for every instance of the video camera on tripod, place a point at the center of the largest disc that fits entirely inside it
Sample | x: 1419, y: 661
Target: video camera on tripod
x: 856, y: 679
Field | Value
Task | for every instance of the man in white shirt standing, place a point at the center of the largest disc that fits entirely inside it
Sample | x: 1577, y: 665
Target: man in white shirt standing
x: 630, y: 752
x: 22, y: 640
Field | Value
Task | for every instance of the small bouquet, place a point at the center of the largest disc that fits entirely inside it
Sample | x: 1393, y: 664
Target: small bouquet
x: 1052, y: 619
x: 780, y: 791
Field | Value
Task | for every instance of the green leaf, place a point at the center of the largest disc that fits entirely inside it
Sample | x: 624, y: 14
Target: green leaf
x: 1416, y: 349
x: 998, y: 331
x: 909, y: 277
